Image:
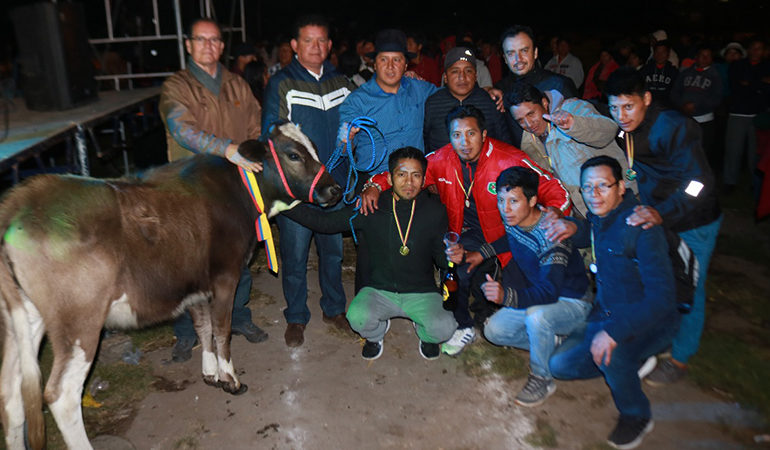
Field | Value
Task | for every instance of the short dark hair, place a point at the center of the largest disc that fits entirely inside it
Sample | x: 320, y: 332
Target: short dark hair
x: 523, y: 92
x: 465, y: 111
x: 407, y: 153
x: 201, y: 20
x: 603, y: 160
x: 516, y: 29
x: 625, y: 81
x: 518, y: 176
x: 307, y: 20
x: 663, y: 43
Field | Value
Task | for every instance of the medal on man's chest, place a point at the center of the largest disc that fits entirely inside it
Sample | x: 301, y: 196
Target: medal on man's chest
x: 630, y: 175
x: 404, y: 250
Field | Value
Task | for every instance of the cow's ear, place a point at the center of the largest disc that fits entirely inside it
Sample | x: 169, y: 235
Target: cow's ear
x: 252, y: 150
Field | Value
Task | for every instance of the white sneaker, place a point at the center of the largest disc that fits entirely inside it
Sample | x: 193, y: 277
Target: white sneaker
x: 458, y: 341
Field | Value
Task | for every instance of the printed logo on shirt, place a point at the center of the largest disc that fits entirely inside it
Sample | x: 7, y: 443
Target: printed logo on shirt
x: 444, y: 180
x: 492, y: 188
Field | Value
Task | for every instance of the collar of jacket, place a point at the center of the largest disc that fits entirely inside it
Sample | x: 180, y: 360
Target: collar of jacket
x: 650, y: 116
x: 628, y: 203
x: 211, y: 83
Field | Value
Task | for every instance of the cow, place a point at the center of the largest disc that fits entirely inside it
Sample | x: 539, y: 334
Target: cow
x: 78, y: 254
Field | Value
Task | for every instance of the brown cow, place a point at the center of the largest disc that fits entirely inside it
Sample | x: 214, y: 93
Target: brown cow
x: 79, y: 254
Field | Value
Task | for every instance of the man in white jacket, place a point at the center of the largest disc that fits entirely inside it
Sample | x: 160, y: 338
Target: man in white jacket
x: 565, y: 63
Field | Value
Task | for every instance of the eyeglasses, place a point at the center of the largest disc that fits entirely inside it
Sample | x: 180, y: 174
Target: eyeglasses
x: 203, y: 40
x: 603, y: 188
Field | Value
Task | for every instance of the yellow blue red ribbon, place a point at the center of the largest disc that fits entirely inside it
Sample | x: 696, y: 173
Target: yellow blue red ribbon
x: 262, y: 225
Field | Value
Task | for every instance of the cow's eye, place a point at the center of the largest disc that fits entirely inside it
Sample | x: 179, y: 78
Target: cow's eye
x: 294, y: 157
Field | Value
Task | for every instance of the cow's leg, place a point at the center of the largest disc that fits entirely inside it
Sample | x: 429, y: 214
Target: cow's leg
x: 73, y: 353
x: 221, y: 322
x: 201, y: 318
x: 13, y: 414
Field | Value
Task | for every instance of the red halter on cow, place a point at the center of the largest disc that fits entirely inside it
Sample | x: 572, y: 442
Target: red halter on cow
x: 79, y: 254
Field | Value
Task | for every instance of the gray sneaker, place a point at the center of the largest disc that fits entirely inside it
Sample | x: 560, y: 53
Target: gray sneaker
x: 666, y: 373
x: 535, y: 391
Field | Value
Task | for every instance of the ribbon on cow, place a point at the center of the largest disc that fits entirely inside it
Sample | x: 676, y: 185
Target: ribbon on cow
x: 264, y: 233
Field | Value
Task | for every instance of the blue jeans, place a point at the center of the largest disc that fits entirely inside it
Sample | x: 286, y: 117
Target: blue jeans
x: 534, y: 329
x: 183, y: 326
x: 701, y: 241
x: 294, y: 248
x: 573, y: 360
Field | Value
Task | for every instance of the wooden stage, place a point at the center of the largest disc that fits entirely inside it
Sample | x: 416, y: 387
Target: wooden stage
x: 31, y: 132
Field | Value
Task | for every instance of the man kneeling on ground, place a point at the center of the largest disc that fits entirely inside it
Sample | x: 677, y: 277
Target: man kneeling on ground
x: 544, y: 290
x: 404, y: 239
x: 635, y: 315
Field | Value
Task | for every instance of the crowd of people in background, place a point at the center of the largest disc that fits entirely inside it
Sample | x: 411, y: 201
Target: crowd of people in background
x: 526, y: 157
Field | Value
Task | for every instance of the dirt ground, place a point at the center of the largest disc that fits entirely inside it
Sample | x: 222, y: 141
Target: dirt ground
x: 323, y: 395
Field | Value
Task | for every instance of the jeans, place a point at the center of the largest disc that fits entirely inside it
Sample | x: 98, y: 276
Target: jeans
x: 701, y: 241
x: 294, y: 248
x: 573, y: 360
x: 470, y: 284
x: 535, y: 328
x: 183, y: 325
x: 740, y: 140
x: 371, y: 308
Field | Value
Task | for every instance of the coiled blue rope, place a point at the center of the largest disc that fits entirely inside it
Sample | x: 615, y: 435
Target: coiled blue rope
x: 369, y: 126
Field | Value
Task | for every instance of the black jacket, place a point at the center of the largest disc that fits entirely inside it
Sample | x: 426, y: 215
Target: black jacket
x: 668, y: 156
x: 390, y: 270
x: 748, y: 93
x: 543, y: 80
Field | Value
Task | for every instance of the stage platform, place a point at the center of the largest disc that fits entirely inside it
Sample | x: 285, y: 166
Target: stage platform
x: 32, y: 132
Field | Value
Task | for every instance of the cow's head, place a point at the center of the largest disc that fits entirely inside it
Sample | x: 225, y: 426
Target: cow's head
x: 291, y: 165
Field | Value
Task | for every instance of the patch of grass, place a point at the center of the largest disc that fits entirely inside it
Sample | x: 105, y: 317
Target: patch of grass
x: 543, y: 436
x: 483, y: 359
x: 186, y: 443
x: 152, y: 338
x: 729, y: 364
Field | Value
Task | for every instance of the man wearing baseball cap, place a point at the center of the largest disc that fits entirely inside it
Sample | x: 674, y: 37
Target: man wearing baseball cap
x: 395, y: 102
x: 460, y: 89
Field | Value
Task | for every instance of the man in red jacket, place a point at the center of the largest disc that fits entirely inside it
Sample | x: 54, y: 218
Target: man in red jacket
x: 463, y: 173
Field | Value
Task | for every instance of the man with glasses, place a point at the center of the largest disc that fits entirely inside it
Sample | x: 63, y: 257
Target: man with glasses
x: 208, y: 109
x: 635, y: 315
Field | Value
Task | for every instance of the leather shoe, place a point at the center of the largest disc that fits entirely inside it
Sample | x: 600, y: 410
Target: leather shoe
x: 339, y: 321
x: 182, y: 350
x: 251, y: 332
x: 294, y: 335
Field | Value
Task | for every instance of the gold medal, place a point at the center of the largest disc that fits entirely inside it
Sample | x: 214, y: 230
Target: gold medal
x: 404, y: 250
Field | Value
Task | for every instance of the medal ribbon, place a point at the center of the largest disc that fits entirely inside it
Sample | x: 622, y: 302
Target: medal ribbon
x: 630, y: 153
x: 264, y: 233
x: 466, y: 193
x: 398, y: 225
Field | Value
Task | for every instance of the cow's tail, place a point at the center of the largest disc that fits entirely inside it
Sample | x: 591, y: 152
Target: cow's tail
x: 18, y: 328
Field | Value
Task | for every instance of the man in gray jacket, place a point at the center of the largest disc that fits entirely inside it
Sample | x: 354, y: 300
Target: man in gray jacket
x: 561, y: 134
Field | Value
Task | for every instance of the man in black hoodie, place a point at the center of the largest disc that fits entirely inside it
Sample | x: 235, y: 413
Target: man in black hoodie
x: 665, y: 156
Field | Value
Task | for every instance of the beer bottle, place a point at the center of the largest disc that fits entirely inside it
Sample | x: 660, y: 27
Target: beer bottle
x: 449, y: 287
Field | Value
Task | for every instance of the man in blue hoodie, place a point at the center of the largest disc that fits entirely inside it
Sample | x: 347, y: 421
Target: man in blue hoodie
x: 309, y: 92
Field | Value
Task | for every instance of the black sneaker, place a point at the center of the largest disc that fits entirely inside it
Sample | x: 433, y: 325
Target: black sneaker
x: 182, y: 350
x: 251, y: 332
x: 629, y: 432
x: 371, y: 350
x: 429, y: 350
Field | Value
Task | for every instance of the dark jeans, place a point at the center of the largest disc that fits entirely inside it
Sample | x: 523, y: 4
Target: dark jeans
x: 183, y: 326
x: 573, y: 360
x: 470, y: 284
x: 294, y: 248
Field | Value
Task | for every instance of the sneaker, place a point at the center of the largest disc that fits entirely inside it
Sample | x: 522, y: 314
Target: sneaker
x: 647, y: 367
x: 182, y: 350
x: 458, y: 341
x: 535, y: 391
x: 666, y: 373
x: 251, y: 332
x: 629, y: 432
x: 372, y: 350
x: 429, y: 350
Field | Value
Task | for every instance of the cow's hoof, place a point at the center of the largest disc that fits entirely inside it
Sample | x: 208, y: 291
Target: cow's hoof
x: 241, y: 389
x: 212, y: 381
